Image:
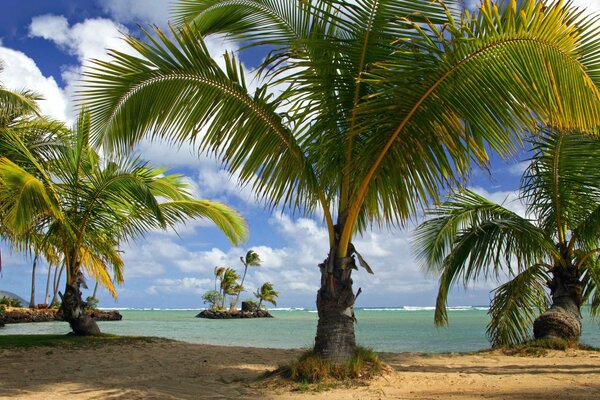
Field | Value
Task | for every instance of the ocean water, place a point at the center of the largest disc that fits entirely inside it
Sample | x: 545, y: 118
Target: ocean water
x: 384, y: 329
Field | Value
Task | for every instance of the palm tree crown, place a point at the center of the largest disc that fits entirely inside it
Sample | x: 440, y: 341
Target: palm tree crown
x: 383, y: 101
x: 469, y: 237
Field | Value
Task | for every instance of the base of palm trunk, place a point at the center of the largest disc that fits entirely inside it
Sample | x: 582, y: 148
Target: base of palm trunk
x: 335, y: 340
x: 557, y: 322
x: 73, y: 311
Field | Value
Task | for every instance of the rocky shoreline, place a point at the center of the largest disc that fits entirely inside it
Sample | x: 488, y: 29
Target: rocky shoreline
x: 218, y: 314
x: 24, y: 315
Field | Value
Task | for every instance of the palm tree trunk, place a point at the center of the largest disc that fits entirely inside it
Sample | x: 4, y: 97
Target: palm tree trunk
x: 32, y: 298
x: 47, y: 296
x: 563, y: 318
x: 57, y: 276
x: 95, y: 290
x: 73, y: 309
x: 237, y: 298
x: 335, y: 338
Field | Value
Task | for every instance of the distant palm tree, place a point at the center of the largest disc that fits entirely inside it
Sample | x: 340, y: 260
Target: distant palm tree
x: 252, y: 259
x: 470, y: 237
x: 363, y: 110
x: 229, y: 284
x: 88, y: 205
x: 266, y: 293
x: 219, y: 274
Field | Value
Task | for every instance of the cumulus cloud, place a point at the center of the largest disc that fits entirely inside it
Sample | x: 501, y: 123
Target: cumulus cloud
x: 187, y: 285
x: 20, y: 72
x: 154, y: 12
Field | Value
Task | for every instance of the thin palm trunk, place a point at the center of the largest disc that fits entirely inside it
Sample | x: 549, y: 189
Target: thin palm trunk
x: 237, y: 298
x: 57, y: 277
x: 32, y: 298
x: 335, y: 338
x: 47, y: 296
x: 563, y: 318
x: 95, y: 290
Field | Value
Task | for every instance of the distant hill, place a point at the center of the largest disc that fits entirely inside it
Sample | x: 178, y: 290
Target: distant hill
x: 11, y: 295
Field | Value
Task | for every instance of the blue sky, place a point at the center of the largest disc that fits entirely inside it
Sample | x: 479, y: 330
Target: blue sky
x: 45, y: 44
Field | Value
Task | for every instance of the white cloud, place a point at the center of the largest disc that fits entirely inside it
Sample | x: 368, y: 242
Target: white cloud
x: 185, y: 285
x: 591, y: 6
x: 154, y: 12
x: 20, y: 72
x: 87, y: 40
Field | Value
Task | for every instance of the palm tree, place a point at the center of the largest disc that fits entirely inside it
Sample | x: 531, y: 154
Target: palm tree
x: 89, y: 205
x: 252, y: 259
x: 219, y: 271
x: 229, y: 284
x: 470, y: 237
x: 266, y: 293
x: 383, y: 102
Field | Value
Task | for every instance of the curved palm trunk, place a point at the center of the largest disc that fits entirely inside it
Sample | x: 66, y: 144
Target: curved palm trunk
x: 335, y: 338
x: 73, y: 311
x: 563, y: 318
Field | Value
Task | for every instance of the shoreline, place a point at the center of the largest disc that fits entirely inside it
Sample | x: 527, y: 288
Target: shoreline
x: 160, y: 368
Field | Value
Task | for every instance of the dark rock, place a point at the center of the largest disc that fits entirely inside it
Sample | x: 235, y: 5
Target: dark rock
x: 218, y: 314
x: 248, y: 306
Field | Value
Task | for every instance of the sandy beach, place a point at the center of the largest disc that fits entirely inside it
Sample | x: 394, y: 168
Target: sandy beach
x: 178, y: 370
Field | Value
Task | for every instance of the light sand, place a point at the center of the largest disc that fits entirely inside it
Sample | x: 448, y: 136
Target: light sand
x: 175, y: 370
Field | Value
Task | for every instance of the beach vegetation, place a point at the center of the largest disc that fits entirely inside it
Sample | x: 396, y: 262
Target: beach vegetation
x: 91, y: 303
x: 311, y: 368
x: 252, y: 259
x: 212, y: 298
x: 363, y: 112
x: 10, y: 302
x: 548, y: 256
x: 87, y: 205
x: 229, y: 286
x: 266, y: 293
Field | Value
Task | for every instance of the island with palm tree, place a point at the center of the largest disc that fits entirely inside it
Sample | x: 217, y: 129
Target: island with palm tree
x: 227, y: 285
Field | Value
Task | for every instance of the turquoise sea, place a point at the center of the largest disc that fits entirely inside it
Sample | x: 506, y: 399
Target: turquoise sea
x: 384, y: 329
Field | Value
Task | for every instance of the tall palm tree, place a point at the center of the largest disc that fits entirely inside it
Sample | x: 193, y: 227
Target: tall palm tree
x: 89, y: 205
x: 219, y: 271
x: 364, y: 109
x: 556, y: 247
x: 266, y: 293
x: 229, y: 284
x: 252, y: 259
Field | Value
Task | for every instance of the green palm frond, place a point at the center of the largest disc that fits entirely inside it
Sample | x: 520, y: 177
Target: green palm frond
x: 252, y: 258
x: 445, y: 95
x: 564, y: 169
x: 470, y: 237
x: 207, y: 105
x: 591, y: 284
x: 516, y: 304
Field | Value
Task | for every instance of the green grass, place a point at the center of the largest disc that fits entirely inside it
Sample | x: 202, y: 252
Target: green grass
x: 540, y: 347
x: 27, y: 341
x: 312, y: 372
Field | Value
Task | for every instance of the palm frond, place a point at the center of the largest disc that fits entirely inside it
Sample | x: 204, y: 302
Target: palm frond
x: 515, y: 306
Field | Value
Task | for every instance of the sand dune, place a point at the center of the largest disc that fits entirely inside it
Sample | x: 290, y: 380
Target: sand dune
x: 176, y: 370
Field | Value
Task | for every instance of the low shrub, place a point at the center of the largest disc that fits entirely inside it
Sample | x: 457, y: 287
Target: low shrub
x: 7, y: 301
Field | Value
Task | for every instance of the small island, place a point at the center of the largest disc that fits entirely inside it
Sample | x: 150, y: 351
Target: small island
x: 226, y: 280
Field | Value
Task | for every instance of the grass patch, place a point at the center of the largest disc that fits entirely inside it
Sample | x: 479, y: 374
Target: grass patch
x: 27, y: 341
x: 313, y: 373
x: 540, y: 347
